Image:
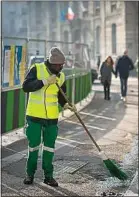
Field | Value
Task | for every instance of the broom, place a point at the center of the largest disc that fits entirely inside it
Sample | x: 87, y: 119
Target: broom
x: 113, y: 168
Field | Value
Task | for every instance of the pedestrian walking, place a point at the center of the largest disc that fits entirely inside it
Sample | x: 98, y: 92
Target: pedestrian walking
x: 42, y: 113
x: 106, y: 71
x: 123, y: 66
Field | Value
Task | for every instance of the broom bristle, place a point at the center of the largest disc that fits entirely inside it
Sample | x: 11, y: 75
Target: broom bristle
x: 114, y: 170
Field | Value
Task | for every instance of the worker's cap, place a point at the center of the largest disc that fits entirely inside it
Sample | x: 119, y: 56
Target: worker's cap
x: 56, y: 56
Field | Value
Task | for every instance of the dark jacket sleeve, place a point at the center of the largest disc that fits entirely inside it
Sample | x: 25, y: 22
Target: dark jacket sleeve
x: 131, y: 65
x: 31, y: 83
x: 61, y: 99
x: 113, y: 70
x: 117, y: 66
x: 101, y: 68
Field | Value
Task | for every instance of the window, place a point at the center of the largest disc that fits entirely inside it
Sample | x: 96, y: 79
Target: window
x: 97, y: 7
x: 53, y: 13
x: 75, y: 8
x: 98, y: 39
x: 65, y: 4
x: 85, y: 4
x: 77, y: 35
x: 84, y: 9
x: 85, y: 35
x: 24, y: 23
x: 53, y: 34
x: 113, y: 38
x: 113, y: 6
x: 38, y: 12
x: 23, y: 11
x: 97, y: 4
x: 12, y: 25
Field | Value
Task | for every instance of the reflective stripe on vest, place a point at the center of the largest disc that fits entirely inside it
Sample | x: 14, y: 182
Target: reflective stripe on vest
x: 41, y: 72
x: 43, y: 103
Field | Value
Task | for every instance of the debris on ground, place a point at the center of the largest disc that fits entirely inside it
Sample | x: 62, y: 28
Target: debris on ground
x: 111, y: 194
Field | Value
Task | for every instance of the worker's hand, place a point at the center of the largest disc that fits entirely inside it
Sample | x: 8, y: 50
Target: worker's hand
x: 71, y: 108
x: 50, y: 80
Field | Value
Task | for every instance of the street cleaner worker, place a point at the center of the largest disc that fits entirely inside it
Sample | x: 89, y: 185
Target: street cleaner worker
x: 42, y: 113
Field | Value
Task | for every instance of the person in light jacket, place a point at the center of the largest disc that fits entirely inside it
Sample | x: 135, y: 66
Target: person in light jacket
x: 106, y: 71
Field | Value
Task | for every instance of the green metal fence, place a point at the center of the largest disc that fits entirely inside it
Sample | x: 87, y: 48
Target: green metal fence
x: 82, y: 86
x: 13, y: 109
x: 14, y: 100
x: 76, y: 69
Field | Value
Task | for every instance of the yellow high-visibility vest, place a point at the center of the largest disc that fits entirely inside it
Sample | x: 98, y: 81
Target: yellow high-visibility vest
x: 43, y: 103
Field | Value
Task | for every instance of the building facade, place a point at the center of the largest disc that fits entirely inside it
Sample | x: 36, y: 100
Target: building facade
x: 108, y: 27
x: 115, y: 25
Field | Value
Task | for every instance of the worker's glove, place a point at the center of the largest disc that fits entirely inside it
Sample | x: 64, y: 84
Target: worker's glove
x: 71, y: 108
x: 50, y: 80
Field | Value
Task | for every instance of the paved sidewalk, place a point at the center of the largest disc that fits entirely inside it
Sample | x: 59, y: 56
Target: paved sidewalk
x: 78, y: 167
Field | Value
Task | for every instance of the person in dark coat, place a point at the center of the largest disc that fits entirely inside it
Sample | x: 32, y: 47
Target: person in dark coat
x: 106, y: 74
x: 123, y: 66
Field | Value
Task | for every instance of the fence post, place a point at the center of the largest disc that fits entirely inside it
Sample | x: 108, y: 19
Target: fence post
x: 26, y: 95
x: 80, y: 76
x: 45, y: 49
x: 73, y: 82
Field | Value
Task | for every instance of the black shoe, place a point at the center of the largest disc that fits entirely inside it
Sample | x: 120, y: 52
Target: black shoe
x: 50, y: 181
x: 28, y: 180
x: 109, y: 98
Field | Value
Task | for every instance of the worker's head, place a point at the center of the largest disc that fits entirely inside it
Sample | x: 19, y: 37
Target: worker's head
x: 56, y: 59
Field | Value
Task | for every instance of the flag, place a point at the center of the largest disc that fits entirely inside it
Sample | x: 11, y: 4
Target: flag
x: 70, y: 14
x: 63, y: 14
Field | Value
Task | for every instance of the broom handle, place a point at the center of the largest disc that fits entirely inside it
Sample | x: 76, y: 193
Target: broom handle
x: 76, y: 113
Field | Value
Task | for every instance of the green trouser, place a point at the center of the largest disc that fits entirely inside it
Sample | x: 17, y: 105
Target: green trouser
x: 34, y: 131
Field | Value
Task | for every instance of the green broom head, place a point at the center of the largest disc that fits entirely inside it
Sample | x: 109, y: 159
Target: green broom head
x: 115, y: 170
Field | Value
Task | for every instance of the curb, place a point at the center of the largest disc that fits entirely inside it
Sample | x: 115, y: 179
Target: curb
x: 19, y: 134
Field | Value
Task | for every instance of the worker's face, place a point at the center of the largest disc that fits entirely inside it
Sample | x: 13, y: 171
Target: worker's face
x: 57, y: 67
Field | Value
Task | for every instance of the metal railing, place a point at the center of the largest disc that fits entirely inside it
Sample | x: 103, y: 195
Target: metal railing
x: 78, y: 77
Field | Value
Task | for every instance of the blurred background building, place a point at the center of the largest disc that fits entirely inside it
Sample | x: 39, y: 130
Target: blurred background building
x: 108, y: 27
x: 115, y: 25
